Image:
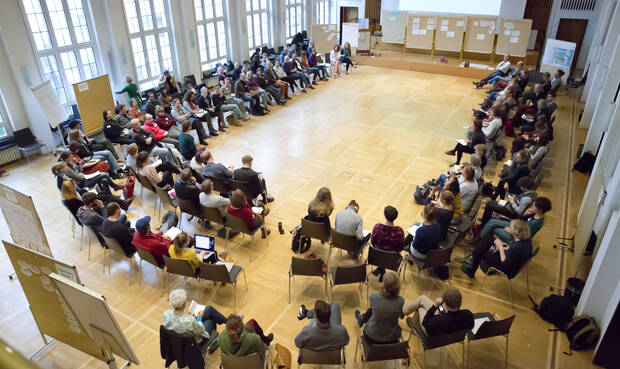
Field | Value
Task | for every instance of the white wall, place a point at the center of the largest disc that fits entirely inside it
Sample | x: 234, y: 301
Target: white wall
x: 512, y: 9
x: 593, y: 21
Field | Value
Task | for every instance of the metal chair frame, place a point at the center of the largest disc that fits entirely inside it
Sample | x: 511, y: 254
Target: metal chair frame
x: 310, y: 268
x: 351, y: 272
x: 113, y: 245
x: 223, y: 275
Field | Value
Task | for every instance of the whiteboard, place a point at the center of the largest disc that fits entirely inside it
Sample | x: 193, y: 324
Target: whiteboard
x: 558, y: 55
x: 350, y: 33
x: 51, y: 106
x: 94, y: 314
x: 393, y: 24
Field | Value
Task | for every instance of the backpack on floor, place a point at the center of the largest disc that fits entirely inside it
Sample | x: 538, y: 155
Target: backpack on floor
x: 305, y: 241
x: 585, y: 163
x: 500, y: 152
x: 420, y: 196
x: 487, y: 189
x: 555, y: 309
x: 582, y: 332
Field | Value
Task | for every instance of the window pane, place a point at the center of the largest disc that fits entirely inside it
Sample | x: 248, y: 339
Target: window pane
x: 153, y: 55
x: 265, y: 27
x: 211, y: 41
x: 51, y: 73
x: 138, y: 58
x: 208, y: 9
x: 160, y: 13
x: 69, y: 63
x: 198, y: 9
x: 202, y: 44
x: 219, y: 8
x: 59, y: 22
x: 146, y: 15
x: 257, y: 31
x: 78, y: 19
x: 166, y: 52
x: 221, y: 39
x: 250, y: 35
x: 89, y: 66
x: 132, y: 16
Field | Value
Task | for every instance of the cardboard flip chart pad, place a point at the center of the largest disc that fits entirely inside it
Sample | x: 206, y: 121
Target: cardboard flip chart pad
x: 350, y: 33
x: 558, y: 55
x: 449, y: 33
x: 94, y: 314
x: 48, y: 307
x: 393, y: 24
x: 23, y: 220
x: 93, y: 96
x: 513, y: 36
x: 51, y: 106
x: 479, y: 34
x: 324, y: 36
x: 420, y: 31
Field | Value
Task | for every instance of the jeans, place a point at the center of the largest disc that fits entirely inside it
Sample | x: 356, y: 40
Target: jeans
x: 163, y: 153
x: 169, y: 220
x: 492, y: 207
x: 239, y: 102
x: 314, y: 71
x: 496, y: 227
x: 103, y: 144
x: 334, y: 319
x: 460, y: 149
x: 236, y: 112
x: 345, y: 60
x: 109, y: 157
x: 441, y: 181
x: 303, y: 80
x: 211, y: 318
x: 322, y: 69
x: 497, y: 73
x: 102, y: 179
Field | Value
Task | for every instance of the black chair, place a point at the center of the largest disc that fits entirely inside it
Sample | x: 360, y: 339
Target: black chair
x: 348, y: 274
x: 183, y: 348
x: 264, y: 50
x: 221, y: 186
x: 385, y: 259
x: 146, y: 255
x: 382, y: 352
x: 188, y: 207
x: 491, y: 328
x: 239, y: 225
x: 245, y: 188
x: 333, y: 357
x: 438, y: 340
x: 182, y: 268
x: 310, y: 229
x: 165, y: 200
x: 191, y: 78
x: 145, y: 183
x: 346, y: 242
x: 271, y: 51
x: 27, y: 143
x: 435, y: 258
x: 220, y: 273
x: 308, y: 268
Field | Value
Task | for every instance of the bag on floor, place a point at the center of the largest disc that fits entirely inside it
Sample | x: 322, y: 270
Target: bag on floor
x: 582, y: 332
x: 129, y: 186
x: 487, y: 189
x: 281, y: 358
x: 297, y: 238
x: 585, y: 163
x: 500, y: 152
x: 420, y: 196
x: 555, y: 309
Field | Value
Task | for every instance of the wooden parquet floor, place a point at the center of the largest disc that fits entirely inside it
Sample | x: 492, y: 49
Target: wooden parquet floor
x: 371, y: 136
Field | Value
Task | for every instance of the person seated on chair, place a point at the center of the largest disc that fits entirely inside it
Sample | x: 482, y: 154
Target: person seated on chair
x: 151, y: 103
x: 292, y: 72
x: 131, y: 157
x: 122, y: 118
x: 187, y: 146
x: 556, y: 82
x: 346, y: 57
x: 134, y: 111
x: 256, y: 181
x: 240, y: 339
x: 380, y: 321
x: 445, y: 212
x: 387, y: 237
x: 145, y: 141
x: 158, y: 172
x: 515, y: 205
x: 426, y: 237
x: 165, y: 100
x: 70, y: 197
x: 481, y: 151
x: 313, y: 62
x: 269, y: 86
x: 334, y: 58
x: 350, y: 223
x: 198, y: 114
x: 159, y: 135
x: 168, y: 82
x: 540, y: 149
x: 210, y: 200
x: 83, y: 155
x: 239, y: 207
x: 113, y: 131
x: 186, y: 188
x: 534, y: 215
x: 182, y: 249
x: 508, y: 259
x: 477, y: 138
x: 157, y: 243
x: 93, y: 213
x: 166, y: 122
x: 217, y: 171
x: 69, y: 169
x: 100, y: 144
x: 325, y: 331
x: 449, y: 318
x: 501, y: 70
x: 182, y: 115
x: 220, y: 99
x: 205, y: 103
x: 321, y: 207
x: 492, y: 124
x: 122, y: 232
x: 281, y: 74
x: 180, y: 321
x: 272, y: 78
x: 508, y: 182
x: 197, y: 164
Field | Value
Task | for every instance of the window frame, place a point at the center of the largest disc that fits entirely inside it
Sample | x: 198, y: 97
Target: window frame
x: 143, y: 35
x: 56, y: 51
x: 5, y: 119
x: 300, y: 18
x: 250, y: 12
x: 324, y: 17
x: 203, y: 23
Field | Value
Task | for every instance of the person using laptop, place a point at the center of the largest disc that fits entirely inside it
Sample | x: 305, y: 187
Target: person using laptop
x: 181, y: 250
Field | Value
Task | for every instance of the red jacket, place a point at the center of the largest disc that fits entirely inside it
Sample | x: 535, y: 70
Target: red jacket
x: 246, y: 214
x: 164, y: 122
x: 153, y: 242
x: 157, y: 132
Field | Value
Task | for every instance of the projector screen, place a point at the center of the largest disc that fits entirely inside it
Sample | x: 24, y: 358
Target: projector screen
x: 480, y: 7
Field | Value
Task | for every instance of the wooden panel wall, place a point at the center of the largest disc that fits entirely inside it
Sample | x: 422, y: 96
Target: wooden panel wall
x: 373, y: 10
x: 538, y: 11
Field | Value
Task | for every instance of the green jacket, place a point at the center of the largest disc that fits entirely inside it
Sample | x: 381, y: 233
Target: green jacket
x: 132, y: 92
x: 249, y: 344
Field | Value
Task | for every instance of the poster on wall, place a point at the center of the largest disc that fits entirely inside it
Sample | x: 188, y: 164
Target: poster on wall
x: 558, y: 55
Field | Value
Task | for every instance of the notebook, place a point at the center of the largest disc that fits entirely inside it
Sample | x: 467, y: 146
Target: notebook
x: 365, y: 232
x: 92, y: 175
x: 194, y: 309
x: 228, y: 265
x: 412, y: 229
x: 502, y: 202
x: 462, y: 142
x: 173, y: 232
x: 257, y: 210
x: 478, y: 322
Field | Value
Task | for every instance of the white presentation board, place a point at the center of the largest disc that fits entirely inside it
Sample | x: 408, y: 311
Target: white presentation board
x: 51, y: 106
x: 393, y: 24
x: 477, y: 7
x: 350, y: 33
x: 558, y: 55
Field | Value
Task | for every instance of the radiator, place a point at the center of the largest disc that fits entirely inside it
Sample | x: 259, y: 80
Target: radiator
x: 9, y: 155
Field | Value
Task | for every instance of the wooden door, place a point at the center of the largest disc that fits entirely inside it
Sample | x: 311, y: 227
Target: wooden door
x: 348, y: 14
x: 572, y: 30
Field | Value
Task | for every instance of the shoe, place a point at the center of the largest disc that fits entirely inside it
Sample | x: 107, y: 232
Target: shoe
x: 214, y: 133
x: 237, y: 124
x: 450, y: 152
x: 303, y: 312
x: 222, y: 129
x: 269, y: 338
x: 453, y: 164
x: 304, y: 91
x: 381, y: 277
x: 266, y: 212
x: 204, y: 143
x: 270, y: 199
x: 124, y: 204
x: 214, y: 346
x: 376, y: 272
x: 358, y: 317
x: 289, y: 98
x: 267, y: 233
x: 470, y: 273
x: 247, y: 117
x: 310, y: 87
x: 409, y: 259
x: 117, y: 187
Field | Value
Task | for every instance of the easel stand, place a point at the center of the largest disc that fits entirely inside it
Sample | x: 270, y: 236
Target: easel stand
x: 405, y: 43
x: 48, y: 344
x: 103, y: 338
x: 462, y: 47
x: 433, y: 46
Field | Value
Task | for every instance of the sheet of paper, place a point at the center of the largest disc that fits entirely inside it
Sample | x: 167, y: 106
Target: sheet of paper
x: 416, y: 20
x: 450, y: 34
x: 509, y: 25
x: 365, y: 232
x: 508, y: 163
x: 507, y: 32
x: 502, y: 202
x: 66, y: 272
x: 92, y: 175
x: 476, y: 24
x: 411, y: 230
x: 422, y: 31
x: 462, y: 142
x: 82, y: 86
x: 331, y: 36
x: 415, y: 32
x: 257, y: 209
x: 478, y: 322
x: 445, y: 22
x: 228, y: 265
x: 492, y: 25
x: 480, y: 36
x: 415, y: 26
x: 430, y: 21
x: 516, y: 33
x: 173, y: 232
x: 195, y: 307
x: 444, y: 28
x: 430, y: 27
x: 514, y: 40
x: 483, y: 23
x: 460, y: 23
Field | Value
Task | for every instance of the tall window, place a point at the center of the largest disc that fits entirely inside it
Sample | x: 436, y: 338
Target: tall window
x: 259, y: 32
x: 149, y: 32
x: 294, y: 17
x: 62, y: 38
x: 3, y: 123
x: 323, y: 11
x: 212, y: 39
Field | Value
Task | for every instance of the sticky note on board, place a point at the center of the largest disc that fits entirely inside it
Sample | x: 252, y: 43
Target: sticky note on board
x: 476, y: 24
x: 430, y: 27
x: 332, y: 27
x: 445, y: 22
x: 514, y: 40
x: 460, y: 23
x: 480, y: 36
x: 414, y: 31
x: 450, y: 34
x: 422, y: 31
x: 483, y: 23
x: 509, y: 25
x: 516, y: 33
x: 417, y: 26
x: 507, y: 32
x: 392, y: 18
x: 430, y: 21
x: 416, y: 20
x: 492, y: 25
x: 444, y: 28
